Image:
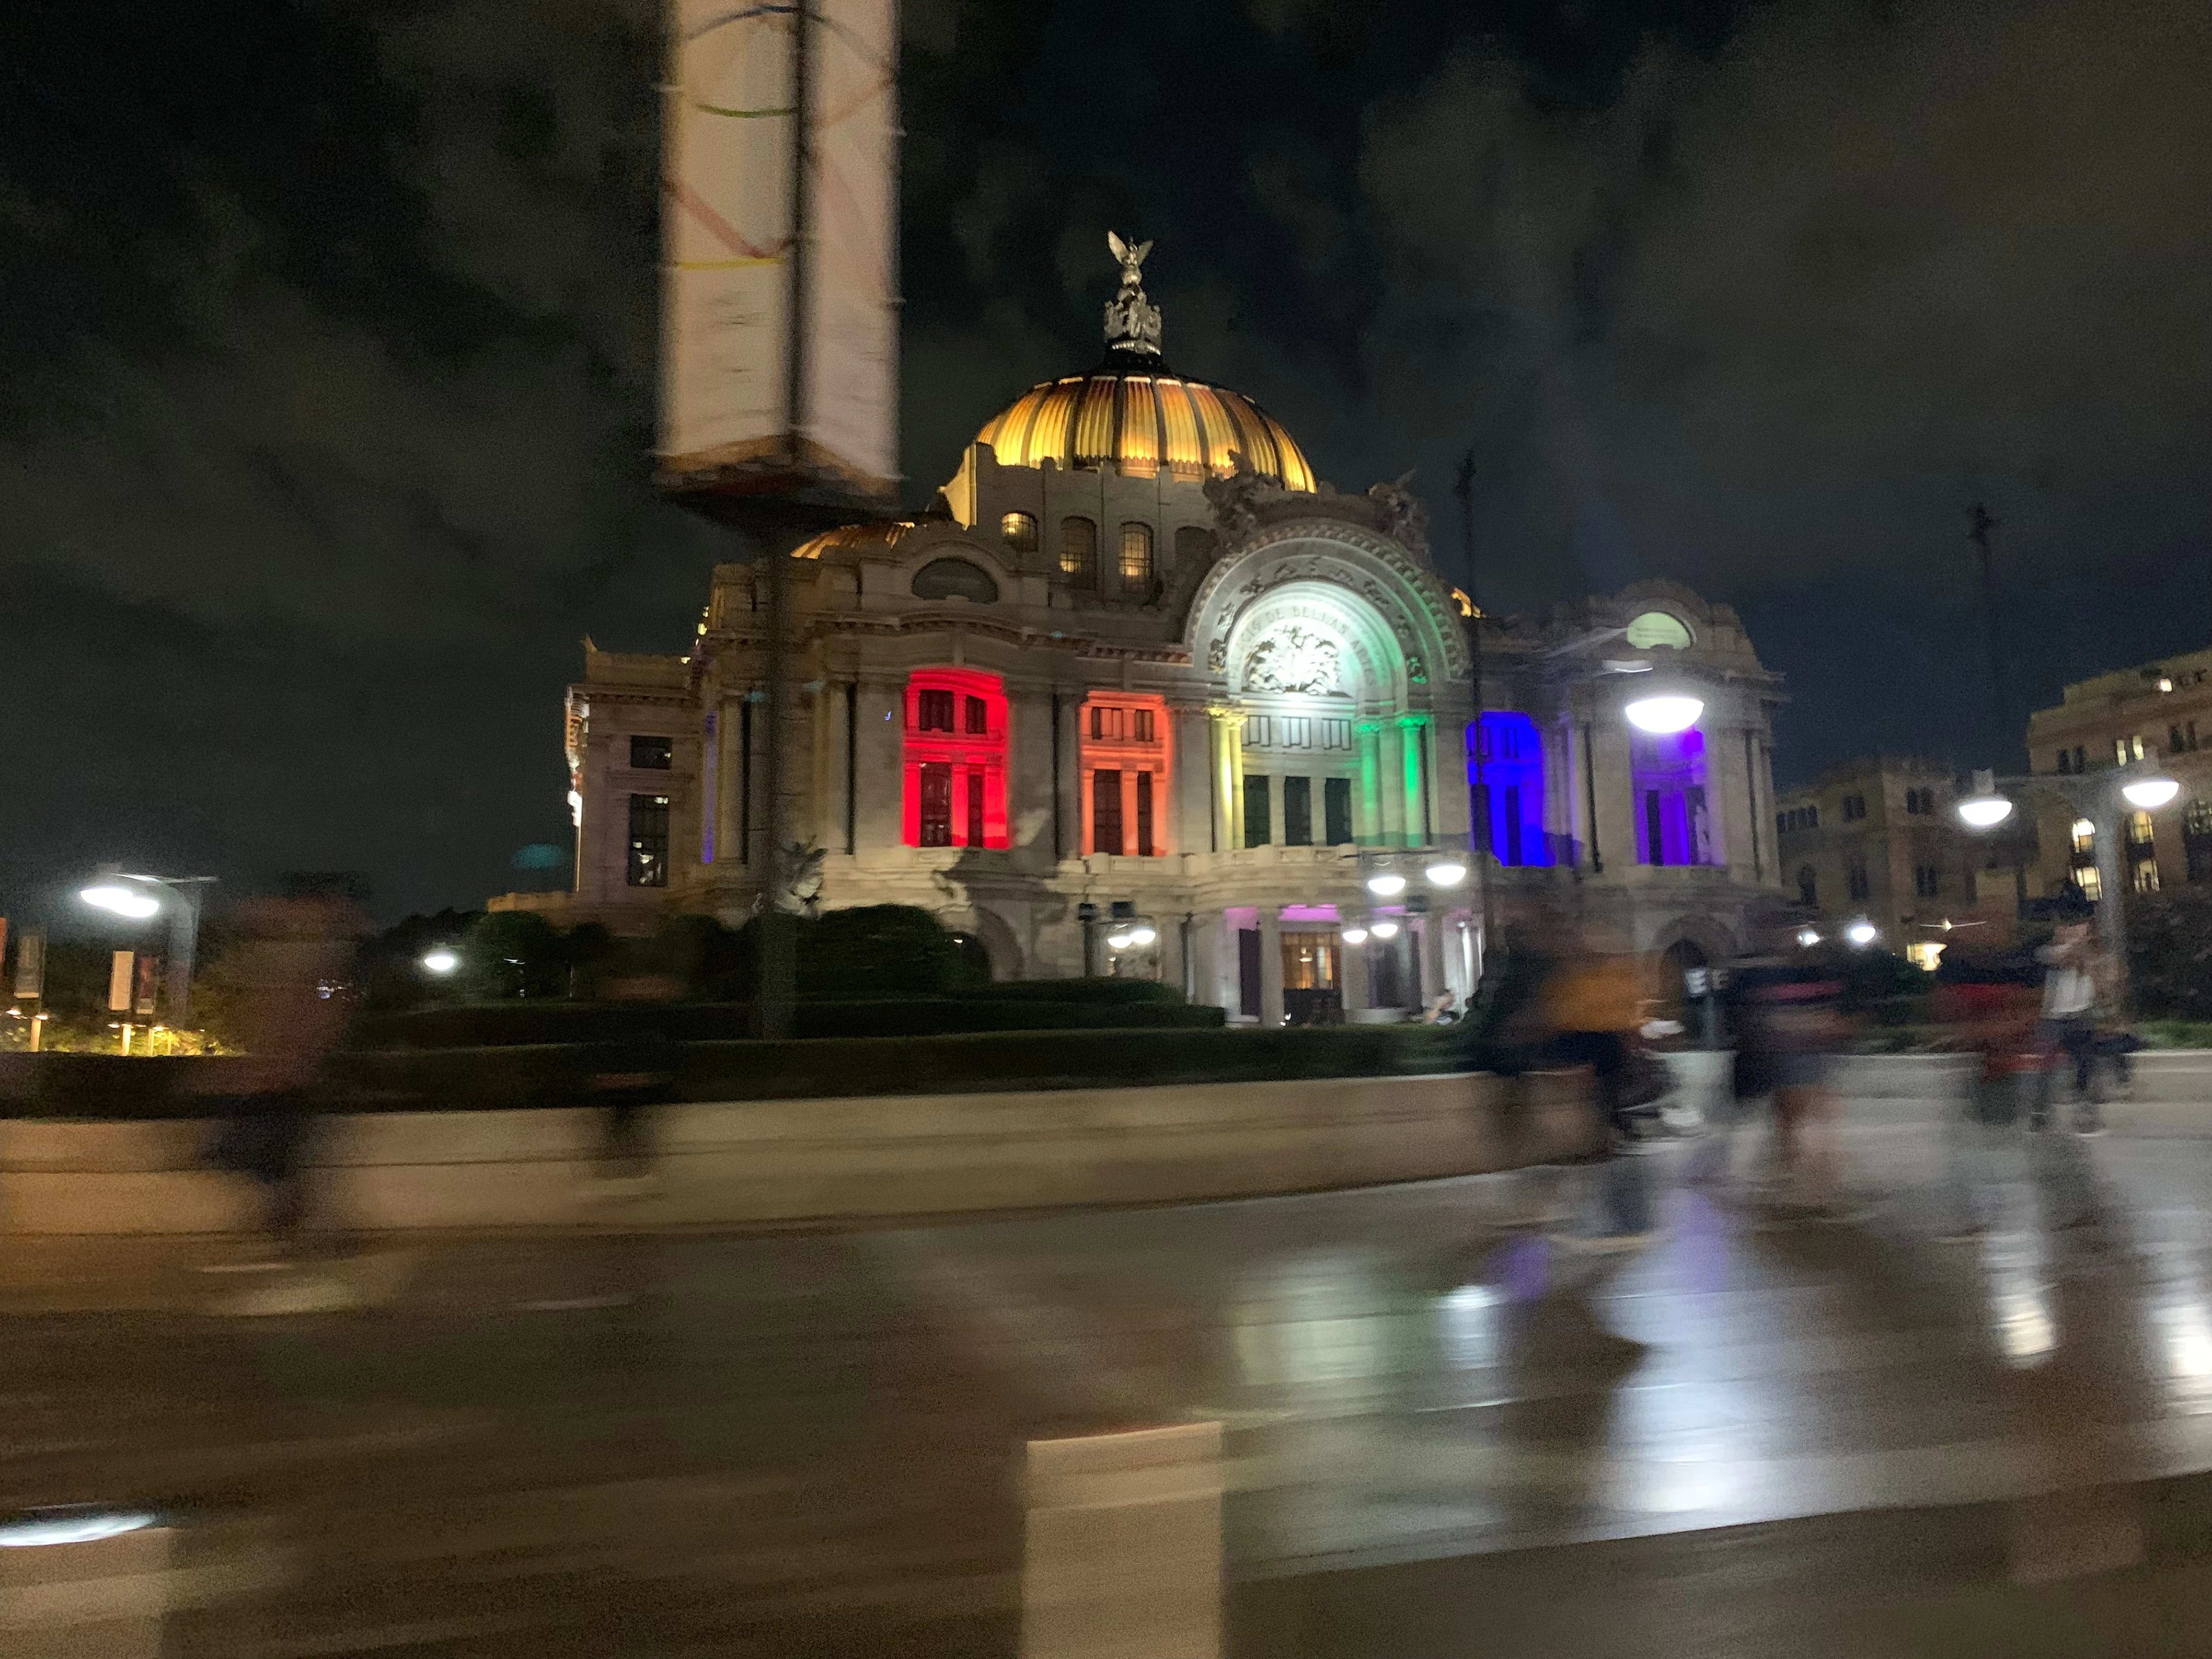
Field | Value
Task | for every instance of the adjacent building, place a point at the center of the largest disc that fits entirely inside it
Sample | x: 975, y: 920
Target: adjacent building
x: 1141, y: 695
x: 1877, y: 840
x: 2159, y: 712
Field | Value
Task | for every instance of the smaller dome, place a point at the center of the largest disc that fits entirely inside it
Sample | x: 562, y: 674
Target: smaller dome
x: 1142, y: 420
x: 873, y: 533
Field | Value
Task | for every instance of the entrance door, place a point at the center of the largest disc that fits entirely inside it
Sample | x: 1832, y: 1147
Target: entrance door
x: 1248, y: 971
x: 1311, y: 991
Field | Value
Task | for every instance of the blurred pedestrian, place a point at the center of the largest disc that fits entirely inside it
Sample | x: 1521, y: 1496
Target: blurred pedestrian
x: 2081, y: 1008
x: 1785, y: 1005
x: 290, y: 975
x: 633, y: 1070
x: 1592, y: 1005
x: 1990, y: 1011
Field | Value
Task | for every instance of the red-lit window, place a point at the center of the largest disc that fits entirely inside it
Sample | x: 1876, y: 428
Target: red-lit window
x: 1126, y: 763
x: 956, y: 759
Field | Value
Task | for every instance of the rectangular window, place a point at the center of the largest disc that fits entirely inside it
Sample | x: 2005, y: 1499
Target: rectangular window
x: 979, y: 718
x: 1143, y: 815
x: 1259, y: 731
x: 1854, y: 808
x: 652, y: 754
x: 2197, y: 838
x: 1106, y: 811
x: 1298, y: 731
x: 2146, y: 876
x: 1655, y: 834
x: 1136, y: 556
x: 1142, y: 719
x: 648, y: 840
x: 2090, y: 882
x: 975, y: 807
x: 1927, y: 881
x: 1336, y: 810
x: 1860, y: 886
x: 937, y: 800
x: 1247, y: 972
x: 1298, y: 811
x: 933, y: 712
x: 1336, y: 734
x: 1259, y: 830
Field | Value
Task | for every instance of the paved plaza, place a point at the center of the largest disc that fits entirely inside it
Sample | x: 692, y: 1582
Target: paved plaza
x: 1446, y: 1433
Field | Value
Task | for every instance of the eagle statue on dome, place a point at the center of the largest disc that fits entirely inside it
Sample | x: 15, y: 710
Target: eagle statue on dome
x: 1133, y: 322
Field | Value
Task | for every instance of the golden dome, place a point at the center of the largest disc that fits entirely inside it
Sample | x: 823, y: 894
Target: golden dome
x: 873, y: 533
x: 1135, y: 417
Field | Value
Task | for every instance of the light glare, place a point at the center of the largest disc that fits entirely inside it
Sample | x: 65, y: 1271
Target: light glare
x: 1354, y: 936
x: 1386, y: 883
x: 1446, y: 873
x: 69, y: 1527
x: 1385, y: 930
x: 1861, y: 933
x: 2150, y: 793
x: 440, y: 961
x: 1663, y: 716
x: 123, y: 901
x: 1983, y: 811
x: 1143, y: 933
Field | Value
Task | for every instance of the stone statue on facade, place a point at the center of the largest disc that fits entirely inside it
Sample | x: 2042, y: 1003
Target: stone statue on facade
x: 1133, y: 322
x: 1404, y: 519
x: 1295, y: 658
x: 1236, y: 501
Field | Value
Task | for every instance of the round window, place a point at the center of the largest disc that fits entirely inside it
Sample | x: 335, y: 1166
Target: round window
x: 1659, y: 628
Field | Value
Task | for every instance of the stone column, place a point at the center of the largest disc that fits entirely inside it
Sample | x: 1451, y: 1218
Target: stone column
x: 880, y: 767
x: 1412, y: 734
x: 1270, y: 967
x: 1071, y: 775
x: 1367, y: 818
x: 1614, y: 831
x: 1228, y: 769
x: 1029, y: 777
x: 1351, y: 976
x: 1391, y: 780
x: 1429, y: 940
x: 1448, y: 781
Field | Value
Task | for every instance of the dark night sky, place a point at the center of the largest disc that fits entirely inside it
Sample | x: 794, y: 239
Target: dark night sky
x: 326, y: 335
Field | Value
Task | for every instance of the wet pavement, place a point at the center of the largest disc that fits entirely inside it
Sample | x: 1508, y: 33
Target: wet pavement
x: 1447, y: 1433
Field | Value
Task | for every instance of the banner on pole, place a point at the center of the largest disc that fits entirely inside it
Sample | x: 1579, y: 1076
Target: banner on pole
x: 738, y: 251
x: 31, y: 967
x: 148, y: 967
x: 118, y: 982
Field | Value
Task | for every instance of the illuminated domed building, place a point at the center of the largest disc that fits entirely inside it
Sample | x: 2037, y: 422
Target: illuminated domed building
x: 1144, y: 696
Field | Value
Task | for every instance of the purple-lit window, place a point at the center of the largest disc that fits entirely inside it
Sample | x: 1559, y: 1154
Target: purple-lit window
x: 1674, y: 819
x: 1505, y: 772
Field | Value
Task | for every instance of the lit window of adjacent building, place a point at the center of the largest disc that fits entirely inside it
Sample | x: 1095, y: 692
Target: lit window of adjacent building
x: 1137, y: 555
x: 1020, y: 531
x: 955, y: 759
x: 2144, y: 876
x: 1079, y: 551
x: 2085, y: 836
x: 2127, y: 748
x: 2141, y: 833
x: 652, y: 754
x: 647, y: 863
x: 2091, y: 883
x: 2197, y: 838
x: 1124, y: 762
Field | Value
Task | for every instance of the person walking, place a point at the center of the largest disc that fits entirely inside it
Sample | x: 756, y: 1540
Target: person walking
x: 2081, y: 996
x: 1786, y: 1010
x: 1991, y: 1012
x: 1592, y: 1003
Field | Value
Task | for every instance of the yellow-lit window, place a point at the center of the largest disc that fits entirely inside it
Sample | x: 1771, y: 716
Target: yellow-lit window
x: 2127, y: 748
x: 1136, y: 556
x: 2085, y: 836
x: 1020, y: 531
x: 2146, y: 876
x: 2139, y: 829
x: 2091, y: 883
x: 1924, y: 954
x: 1079, y: 551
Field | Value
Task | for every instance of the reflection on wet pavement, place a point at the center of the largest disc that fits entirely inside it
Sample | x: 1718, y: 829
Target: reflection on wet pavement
x: 796, y: 1445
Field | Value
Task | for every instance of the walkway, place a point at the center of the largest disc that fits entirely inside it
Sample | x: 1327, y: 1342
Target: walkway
x: 1441, y: 1427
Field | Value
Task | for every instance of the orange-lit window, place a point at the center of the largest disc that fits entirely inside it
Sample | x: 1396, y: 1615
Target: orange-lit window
x: 1126, y: 762
x: 1020, y: 531
x: 1136, y: 556
x: 956, y: 759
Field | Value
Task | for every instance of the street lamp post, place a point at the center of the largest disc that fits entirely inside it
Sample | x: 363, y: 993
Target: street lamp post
x: 179, y: 896
x: 2102, y: 797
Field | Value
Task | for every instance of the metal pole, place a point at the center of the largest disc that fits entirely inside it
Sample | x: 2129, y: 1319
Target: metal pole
x: 2112, y: 921
x: 1477, y: 835
x: 1979, y: 525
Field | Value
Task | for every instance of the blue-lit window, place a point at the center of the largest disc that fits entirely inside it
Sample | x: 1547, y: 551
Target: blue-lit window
x: 1506, y: 771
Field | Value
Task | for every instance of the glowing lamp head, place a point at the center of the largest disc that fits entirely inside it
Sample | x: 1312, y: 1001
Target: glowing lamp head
x: 1983, y: 811
x: 1446, y: 873
x: 1354, y: 935
x: 1121, y: 940
x: 1384, y: 930
x: 1665, y: 714
x: 440, y: 961
x: 2148, y: 794
x: 1861, y: 934
x: 1143, y: 933
x: 1386, y: 883
x: 1808, y: 936
x: 121, y: 900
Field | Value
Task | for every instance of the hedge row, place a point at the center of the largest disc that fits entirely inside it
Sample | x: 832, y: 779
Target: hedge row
x: 553, y: 1074
x: 500, y: 1024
